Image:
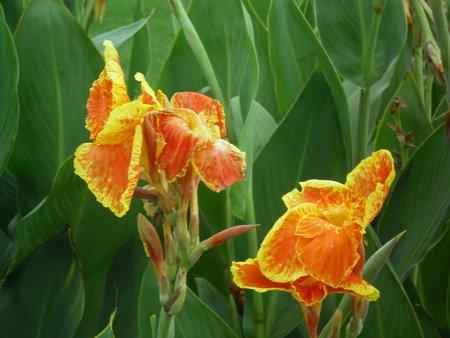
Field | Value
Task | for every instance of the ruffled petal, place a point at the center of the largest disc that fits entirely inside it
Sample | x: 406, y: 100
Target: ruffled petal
x: 210, y: 110
x: 372, y: 179
x: 107, y: 92
x: 328, y: 252
x: 111, y: 171
x: 312, y: 192
x: 180, y: 143
x: 122, y: 123
x: 277, y: 256
x: 247, y: 275
x: 356, y: 286
x: 219, y: 165
x: 148, y: 94
x: 309, y: 291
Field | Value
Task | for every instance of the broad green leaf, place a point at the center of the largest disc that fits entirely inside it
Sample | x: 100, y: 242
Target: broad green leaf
x: 307, y: 144
x: 122, y: 286
x: 434, y: 277
x: 140, y: 54
x: 96, y: 233
x: 361, y: 38
x: 257, y: 129
x: 293, y: 63
x: 8, y: 191
x: 420, y: 203
x: 287, y: 311
x: 12, y: 11
x: 293, y: 55
x: 53, y: 89
x: 209, y: 295
x: 221, y: 28
x: 148, y: 303
x: 413, y: 118
x: 108, y: 331
x: 119, y: 35
x: 9, y: 68
x: 250, y: 75
x: 44, y: 297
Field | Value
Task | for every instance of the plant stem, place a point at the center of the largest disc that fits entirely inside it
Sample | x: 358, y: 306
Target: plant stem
x: 166, y: 325
x: 87, y: 13
x: 363, y: 125
x: 253, y: 246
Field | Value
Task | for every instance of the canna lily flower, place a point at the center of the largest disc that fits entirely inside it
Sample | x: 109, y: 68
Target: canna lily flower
x: 111, y: 164
x: 316, y: 248
x: 193, y: 128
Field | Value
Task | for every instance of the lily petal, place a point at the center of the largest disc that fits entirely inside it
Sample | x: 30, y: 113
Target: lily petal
x: 180, y: 143
x: 277, y: 255
x: 312, y: 191
x: 356, y: 286
x: 122, y: 123
x: 248, y: 275
x: 372, y: 178
x: 107, y: 92
x: 148, y: 94
x: 219, y: 165
x: 327, y: 252
x: 111, y: 171
x: 210, y: 110
x: 309, y: 290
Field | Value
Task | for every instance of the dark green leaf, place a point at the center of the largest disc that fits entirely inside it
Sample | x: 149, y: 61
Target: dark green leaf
x: 345, y: 29
x: 108, y: 331
x: 53, y: 89
x: 420, y: 203
x: 9, y: 68
x: 44, y: 297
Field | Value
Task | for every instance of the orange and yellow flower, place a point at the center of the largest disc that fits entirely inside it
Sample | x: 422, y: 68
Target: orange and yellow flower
x: 151, y: 134
x: 316, y: 247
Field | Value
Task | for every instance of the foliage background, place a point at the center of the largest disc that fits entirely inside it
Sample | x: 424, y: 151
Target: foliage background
x: 296, y: 79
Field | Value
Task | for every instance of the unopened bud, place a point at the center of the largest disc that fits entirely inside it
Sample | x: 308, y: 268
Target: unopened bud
x: 336, y: 328
x: 152, y: 244
x: 359, y: 308
x: 225, y: 235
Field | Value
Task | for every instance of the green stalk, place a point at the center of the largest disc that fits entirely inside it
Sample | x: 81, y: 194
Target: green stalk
x: 363, y: 127
x: 418, y: 56
x: 422, y: 17
x: 197, y: 47
x: 166, y: 325
x: 368, y: 69
x: 440, y: 20
x: 253, y: 245
x: 87, y: 13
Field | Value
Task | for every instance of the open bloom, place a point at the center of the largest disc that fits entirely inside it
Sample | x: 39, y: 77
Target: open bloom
x: 316, y: 247
x: 151, y: 135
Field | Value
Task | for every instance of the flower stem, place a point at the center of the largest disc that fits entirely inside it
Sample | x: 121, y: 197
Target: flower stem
x: 363, y: 127
x: 166, y: 325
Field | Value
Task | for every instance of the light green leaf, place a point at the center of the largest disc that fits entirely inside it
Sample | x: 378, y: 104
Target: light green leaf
x: 9, y: 68
x: 108, y: 331
x: 257, y: 129
x: 420, y: 203
x: 361, y: 38
x: 53, y: 89
x: 44, y: 297
x: 119, y: 35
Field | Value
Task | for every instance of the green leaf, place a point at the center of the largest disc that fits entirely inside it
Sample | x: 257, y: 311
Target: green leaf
x: 420, y: 203
x: 352, y: 37
x: 53, y: 89
x: 9, y: 68
x: 12, y: 11
x: 257, y: 129
x: 433, y: 282
x: 214, y: 300
x: 414, y: 118
x: 44, y: 297
x: 96, y: 233
x: 302, y: 147
x: 8, y: 191
x: 108, y: 331
x: 286, y: 310
x: 292, y: 62
x: 221, y: 27
x: 119, y: 35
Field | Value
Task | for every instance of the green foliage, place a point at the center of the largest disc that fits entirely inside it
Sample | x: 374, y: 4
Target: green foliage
x: 309, y: 87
